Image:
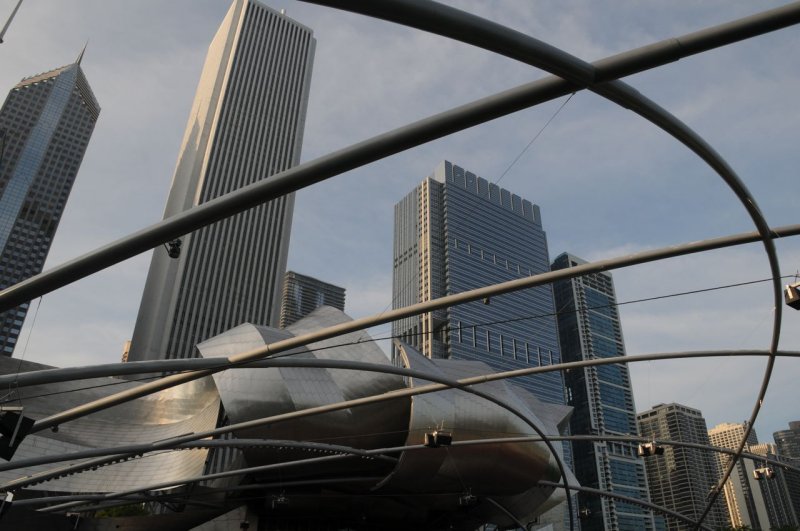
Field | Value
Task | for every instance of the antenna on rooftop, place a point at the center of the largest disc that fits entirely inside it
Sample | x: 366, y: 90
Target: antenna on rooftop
x: 80, y: 55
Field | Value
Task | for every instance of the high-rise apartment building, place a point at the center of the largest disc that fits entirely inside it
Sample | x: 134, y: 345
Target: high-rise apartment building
x: 682, y: 477
x: 246, y: 124
x: 45, y: 126
x: 775, y: 489
x: 303, y: 294
x: 745, y: 500
x: 456, y: 232
x: 787, y: 443
x: 589, y: 328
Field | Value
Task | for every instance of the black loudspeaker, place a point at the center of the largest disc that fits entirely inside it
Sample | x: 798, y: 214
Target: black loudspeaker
x: 792, y: 296
x: 14, y: 426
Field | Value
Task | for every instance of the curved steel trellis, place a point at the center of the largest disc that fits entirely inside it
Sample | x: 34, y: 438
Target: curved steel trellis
x: 581, y: 73
x: 635, y: 501
x: 443, y: 383
x: 134, y: 451
x: 391, y: 315
x: 77, y: 500
x: 465, y: 27
x: 392, y: 142
x: 130, y: 451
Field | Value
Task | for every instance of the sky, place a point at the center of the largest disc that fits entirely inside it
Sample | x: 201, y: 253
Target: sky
x: 608, y: 183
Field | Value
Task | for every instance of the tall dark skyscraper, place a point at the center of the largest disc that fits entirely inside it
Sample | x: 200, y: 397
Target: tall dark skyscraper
x: 682, y: 477
x: 456, y: 232
x: 589, y: 328
x: 45, y: 126
x: 246, y: 124
x: 303, y: 294
x: 775, y: 491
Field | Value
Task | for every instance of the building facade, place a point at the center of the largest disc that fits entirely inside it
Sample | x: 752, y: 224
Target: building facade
x: 303, y: 294
x: 775, y: 489
x: 682, y: 477
x: 456, y: 232
x: 787, y: 444
x: 743, y: 496
x: 589, y: 328
x: 246, y: 124
x: 45, y: 126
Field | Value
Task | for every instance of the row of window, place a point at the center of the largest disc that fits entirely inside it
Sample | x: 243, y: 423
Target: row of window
x: 496, y: 343
x: 491, y: 257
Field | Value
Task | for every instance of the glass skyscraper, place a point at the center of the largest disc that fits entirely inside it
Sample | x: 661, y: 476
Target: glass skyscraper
x: 788, y: 446
x: 246, y: 124
x: 456, y: 232
x: 303, y: 294
x: 589, y: 328
x: 45, y: 126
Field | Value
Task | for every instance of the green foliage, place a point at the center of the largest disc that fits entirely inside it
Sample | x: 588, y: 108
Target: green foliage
x: 136, y: 509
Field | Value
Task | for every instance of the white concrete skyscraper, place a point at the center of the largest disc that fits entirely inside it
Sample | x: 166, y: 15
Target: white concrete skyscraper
x: 246, y: 124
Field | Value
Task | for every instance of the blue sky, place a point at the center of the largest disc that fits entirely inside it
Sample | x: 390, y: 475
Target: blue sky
x: 608, y: 183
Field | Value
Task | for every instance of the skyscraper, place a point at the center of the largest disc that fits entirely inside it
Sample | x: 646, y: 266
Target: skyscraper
x: 787, y: 443
x: 775, y: 489
x: 682, y: 477
x: 589, y: 328
x: 246, y: 124
x: 746, y: 504
x: 303, y: 294
x: 456, y: 232
x: 45, y: 126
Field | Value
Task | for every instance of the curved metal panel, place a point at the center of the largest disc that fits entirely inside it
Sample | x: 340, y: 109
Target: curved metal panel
x: 505, y: 471
x: 262, y: 392
x: 188, y: 408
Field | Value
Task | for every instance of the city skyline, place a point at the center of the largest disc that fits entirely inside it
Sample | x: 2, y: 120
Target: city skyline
x: 669, y: 325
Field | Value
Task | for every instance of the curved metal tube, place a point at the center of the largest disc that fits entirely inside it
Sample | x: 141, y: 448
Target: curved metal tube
x: 162, y: 497
x: 179, y: 441
x: 669, y: 442
x: 391, y: 315
x: 76, y: 500
x: 140, y: 449
x: 392, y: 142
x: 352, y: 365
x: 447, y: 21
x: 763, y: 228
x: 635, y: 501
x: 129, y: 452
x: 506, y: 512
x: 444, y: 383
